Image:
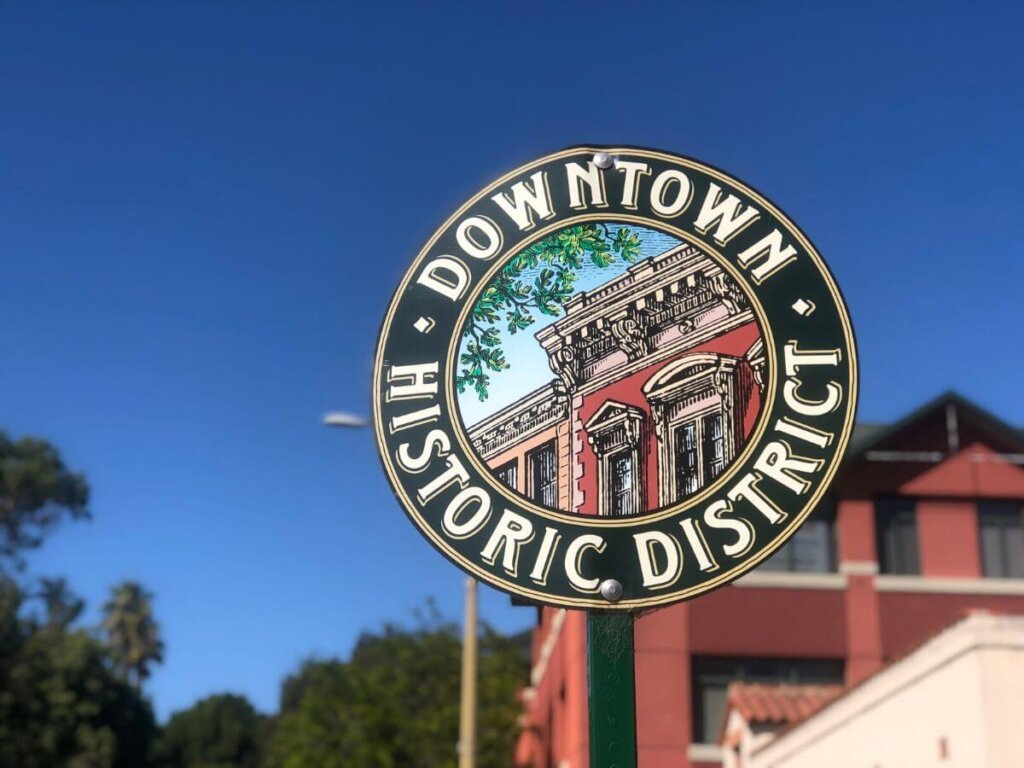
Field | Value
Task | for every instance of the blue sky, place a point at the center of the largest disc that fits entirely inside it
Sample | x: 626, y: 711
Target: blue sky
x: 204, y: 209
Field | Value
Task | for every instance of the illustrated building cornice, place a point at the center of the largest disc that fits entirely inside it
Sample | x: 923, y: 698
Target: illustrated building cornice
x: 537, y: 411
x: 663, y: 303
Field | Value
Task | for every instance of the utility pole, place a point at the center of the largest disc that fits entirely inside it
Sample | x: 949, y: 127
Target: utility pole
x: 467, y: 704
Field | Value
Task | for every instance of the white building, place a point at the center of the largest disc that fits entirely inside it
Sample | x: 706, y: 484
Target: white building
x: 957, y: 701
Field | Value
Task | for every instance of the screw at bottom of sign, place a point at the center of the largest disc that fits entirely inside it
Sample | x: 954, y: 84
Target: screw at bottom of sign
x: 611, y: 590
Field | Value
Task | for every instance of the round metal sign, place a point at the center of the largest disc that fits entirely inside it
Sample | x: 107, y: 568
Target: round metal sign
x: 615, y: 378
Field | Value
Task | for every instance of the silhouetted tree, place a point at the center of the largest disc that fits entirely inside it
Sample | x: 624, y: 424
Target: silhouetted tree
x: 133, y: 635
x: 395, y: 703
x: 60, y: 702
x: 222, y: 731
x: 62, y: 606
x: 36, y: 491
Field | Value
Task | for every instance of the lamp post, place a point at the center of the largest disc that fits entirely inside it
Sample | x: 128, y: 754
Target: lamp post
x: 467, y: 702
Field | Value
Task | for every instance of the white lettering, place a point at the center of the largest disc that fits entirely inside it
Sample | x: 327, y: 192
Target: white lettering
x: 511, y: 532
x: 746, y: 489
x: 742, y: 528
x: 546, y: 556
x: 592, y: 177
x: 435, y: 439
x: 468, y: 236
x: 647, y: 544
x: 445, y: 275
x: 778, y: 462
x: 455, y: 473
x: 414, y: 418
x: 630, y: 186
x: 411, y: 382
x: 770, y: 249
x: 695, y: 538
x: 527, y: 201
x: 660, y: 187
x: 464, y: 499
x: 724, y: 213
x: 574, y: 557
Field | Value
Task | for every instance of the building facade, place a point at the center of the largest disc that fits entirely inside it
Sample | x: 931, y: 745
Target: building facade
x: 656, y: 386
x: 924, y: 523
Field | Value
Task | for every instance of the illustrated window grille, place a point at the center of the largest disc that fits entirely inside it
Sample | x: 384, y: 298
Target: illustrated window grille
x: 812, y: 549
x: 687, y: 475
x: 896, y: 533
x: 616, y: 432
x: 508, y: 474
x: 622, y: 484
x: 699, y: 452
x: 1001, y: 534
x: 713, y: 446
x: 544, y: 475
x: 711, y: 678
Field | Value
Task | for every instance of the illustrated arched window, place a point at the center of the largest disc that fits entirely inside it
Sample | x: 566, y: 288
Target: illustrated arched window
x: 615, y: 432
x: 697, y: 404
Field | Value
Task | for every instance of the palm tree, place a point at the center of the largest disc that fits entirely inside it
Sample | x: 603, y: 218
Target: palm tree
x: 133, y: 636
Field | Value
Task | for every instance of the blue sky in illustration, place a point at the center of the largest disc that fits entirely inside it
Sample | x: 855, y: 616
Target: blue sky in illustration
x: 528, y: 365
x: 206, y: 207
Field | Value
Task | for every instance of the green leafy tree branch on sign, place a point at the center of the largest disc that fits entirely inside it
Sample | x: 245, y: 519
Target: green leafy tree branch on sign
x: 516, y: 302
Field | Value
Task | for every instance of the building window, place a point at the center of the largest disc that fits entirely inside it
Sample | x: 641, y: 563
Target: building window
x: 615, y: 433
x: 544, y: 475
x: 812, y: 549
x: 622, y: 484
x: 896, y: 534
x: 697, y: 404
x: 711, y: 678
x: 1001, y: 533
x: 699, y: 452
x: 508, y: 474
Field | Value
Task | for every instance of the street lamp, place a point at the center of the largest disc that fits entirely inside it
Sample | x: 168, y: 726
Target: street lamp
x: 467, y: 702
x: 342, y: 419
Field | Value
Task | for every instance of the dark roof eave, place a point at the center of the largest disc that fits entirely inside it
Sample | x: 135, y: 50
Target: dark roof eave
x: 988, y: 421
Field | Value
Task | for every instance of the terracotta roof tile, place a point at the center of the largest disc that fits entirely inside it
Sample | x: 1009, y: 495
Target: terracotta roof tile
x: 783, y: 704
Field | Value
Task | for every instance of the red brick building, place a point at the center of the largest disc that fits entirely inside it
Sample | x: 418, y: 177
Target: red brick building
x: 924, y: 522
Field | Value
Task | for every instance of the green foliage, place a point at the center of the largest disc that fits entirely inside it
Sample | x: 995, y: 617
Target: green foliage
x: 62, y: 606
x: 60, y: 703
x: 511, y: 301
x: 395, y: 703
x: 133, y: 635
x: 222, y: 731
x: 36, y: 491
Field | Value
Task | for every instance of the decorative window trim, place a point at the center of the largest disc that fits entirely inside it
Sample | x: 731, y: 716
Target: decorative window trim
x: 617, y: 428
x: 673, y: 391
x: 532, y: 491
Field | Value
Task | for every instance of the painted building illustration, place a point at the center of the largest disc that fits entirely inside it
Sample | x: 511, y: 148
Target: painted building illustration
x: 925, y: 523
x: 656, y: 385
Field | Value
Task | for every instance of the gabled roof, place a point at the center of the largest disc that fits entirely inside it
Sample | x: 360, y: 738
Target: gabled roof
x: 867, y: 436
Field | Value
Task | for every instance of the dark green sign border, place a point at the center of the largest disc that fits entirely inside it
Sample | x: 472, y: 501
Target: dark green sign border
x: 416, y: 408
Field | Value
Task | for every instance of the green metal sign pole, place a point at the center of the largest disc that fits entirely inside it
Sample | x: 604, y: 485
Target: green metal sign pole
x: 612, y: 690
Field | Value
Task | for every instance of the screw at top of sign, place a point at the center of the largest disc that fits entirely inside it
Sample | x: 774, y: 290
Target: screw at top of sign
x: 611, y: 590
x: 603, y: 160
